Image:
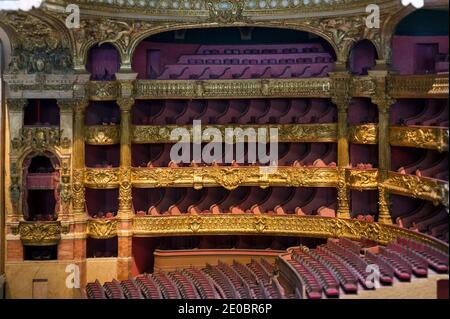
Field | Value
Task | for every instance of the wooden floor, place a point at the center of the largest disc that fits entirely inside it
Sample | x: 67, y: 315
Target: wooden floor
x: 418, y: 288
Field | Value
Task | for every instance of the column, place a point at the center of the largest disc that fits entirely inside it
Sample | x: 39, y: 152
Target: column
x: 340, y: 91
x: 66, y: 216
x: 125, y: 213
x: 80, y: 217
x: 383, y: 102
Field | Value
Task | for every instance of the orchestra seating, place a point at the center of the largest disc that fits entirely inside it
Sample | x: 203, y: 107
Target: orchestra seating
x: 327, y: 271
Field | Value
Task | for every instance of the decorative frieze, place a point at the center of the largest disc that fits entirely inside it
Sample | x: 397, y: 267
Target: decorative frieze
x: 102, y: 228
x: 102, y: 134
x: 101, y: 178
x: 434, y: 138
x: 171, y: 89
x: 361, y: 179
x: 418, y: 86
x: 286, y: 133
x: 418, y: 187
x: 363, y: 134
x: 233, y: 177
x: 103, y: 90
x: 40, y: 233
x: 40, y: 138
x: 299, y: 226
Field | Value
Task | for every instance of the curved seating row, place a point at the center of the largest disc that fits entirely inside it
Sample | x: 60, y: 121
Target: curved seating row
x: 241, y: 154
x: 335, y: 268
x: 225, y: 112
x: 245, y: 200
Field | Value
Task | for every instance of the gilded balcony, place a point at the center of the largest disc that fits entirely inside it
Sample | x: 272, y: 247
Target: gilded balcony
x: 40, y: 233
x: 102, y: 228
x: 418, y: 86
x: 363, y: 134
x: 288, y: 225
x: 102, y: 134
x: 232, y: 89
x: 289, y: 133
x: 417, y: 187
x: 434, y: 138
x: 101, y: 178
x: 362, y: 179
x: 103, y: 90
x: 233, y: 177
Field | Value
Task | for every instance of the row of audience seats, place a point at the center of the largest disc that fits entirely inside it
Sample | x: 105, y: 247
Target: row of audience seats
x: 246, y: 200
x: 314, y: 111
x: 223, y: 281
x: 339, y: 266
x: 329, y: 270
x: 433, y: 221
x: 430, y: 165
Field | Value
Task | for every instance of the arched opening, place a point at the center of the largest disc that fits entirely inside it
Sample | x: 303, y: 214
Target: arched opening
x: 362, y: 58
x: 229, y: 53
x: 103, y: 62
x: 420, y: 43
x: 41, y: 187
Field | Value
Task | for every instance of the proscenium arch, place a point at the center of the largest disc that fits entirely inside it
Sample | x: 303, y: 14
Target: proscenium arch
x: 162, y: 29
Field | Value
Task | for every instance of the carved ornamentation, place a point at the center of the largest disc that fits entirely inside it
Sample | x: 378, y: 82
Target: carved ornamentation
x: 102, y: 229
x: 226, y: 11
x: 40, y: 233
x: 15, y: 188
x: 158, y: 89
x: 343, y: 200
x: 286, y: 133
x: 233, y: 177
x: 101, y: 178
x: 125, y: 197
x: 418, y: 187
x: 39, y: 139
x: 78, y: 191
x: 418, y: 86
x: 16, y: 105
x: 420, y: 137
x: 362, y: 179
x: 363, y: 134
x: 362, y: 86
x: 102, y: 134
x: 38, y: 47
x: 309, y: 226
x: 103, y: 90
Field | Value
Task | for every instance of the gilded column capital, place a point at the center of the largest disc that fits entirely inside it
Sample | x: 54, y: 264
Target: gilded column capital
x: 125, y: 103
x: 16, y: 105
x: 341, y: 89
x: 79, y: 106
x: 383, y: 102
x: 66, y: 106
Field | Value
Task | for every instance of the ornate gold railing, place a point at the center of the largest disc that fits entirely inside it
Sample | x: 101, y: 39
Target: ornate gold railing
x: 102, y: 134
x: 363, y: 134
x: 418, y: 86
x: 233, y: 177
x: 435, y: 138
x: 40, y: 233
x: 418, y: 187
x: 239, y: 89
x: 361, y: 179
x: 307, y: 226
x: 101, y: 178
x: 103, y: 90
x: 102, y: 228
x: 142, y: 134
